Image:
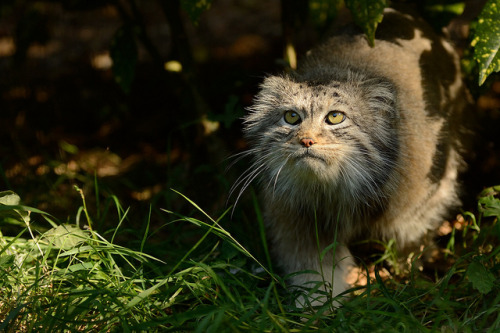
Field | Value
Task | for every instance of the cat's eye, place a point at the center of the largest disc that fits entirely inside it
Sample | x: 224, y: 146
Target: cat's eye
x: 292, y: 117
x: 335, y: 117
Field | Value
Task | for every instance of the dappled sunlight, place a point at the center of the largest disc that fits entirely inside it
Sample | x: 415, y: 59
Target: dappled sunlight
x: 7, y: 47
x: 102, y: 61
x: 357, y: 276
x: 146, y: 193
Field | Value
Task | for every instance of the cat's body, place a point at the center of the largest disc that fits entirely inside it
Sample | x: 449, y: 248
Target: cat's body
x: 360, y: 142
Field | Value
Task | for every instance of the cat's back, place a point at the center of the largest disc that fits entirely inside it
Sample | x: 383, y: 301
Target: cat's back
x: 424, y: 71
x: 421, y: 64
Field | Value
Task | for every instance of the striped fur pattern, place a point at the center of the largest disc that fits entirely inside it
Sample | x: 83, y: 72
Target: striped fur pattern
x: 386, y: 169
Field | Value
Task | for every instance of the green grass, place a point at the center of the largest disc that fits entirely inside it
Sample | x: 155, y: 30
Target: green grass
x: 68, y: 277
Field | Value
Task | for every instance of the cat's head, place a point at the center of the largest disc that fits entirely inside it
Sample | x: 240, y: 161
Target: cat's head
x: 324, y: 134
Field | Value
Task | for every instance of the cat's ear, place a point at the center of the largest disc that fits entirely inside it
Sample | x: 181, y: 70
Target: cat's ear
x: 275, y: 84
x: 265, y: 101
x: 271, y: 93
x: 381, y: 96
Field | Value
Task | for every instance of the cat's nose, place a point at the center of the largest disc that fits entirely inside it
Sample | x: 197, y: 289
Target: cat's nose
x: 307, y: 142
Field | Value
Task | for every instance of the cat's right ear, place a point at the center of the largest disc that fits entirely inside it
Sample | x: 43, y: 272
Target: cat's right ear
x: 267, y: 100
x: 274, y: 83
x: 271, y: 93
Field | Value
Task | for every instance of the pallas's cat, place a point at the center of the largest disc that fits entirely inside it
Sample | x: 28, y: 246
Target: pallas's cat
x: 359, y: 143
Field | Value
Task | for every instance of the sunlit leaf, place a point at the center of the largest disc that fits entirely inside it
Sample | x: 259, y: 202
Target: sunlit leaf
x: 6, y: 261
x: 65, y: 236
x: 367, y: 14
x: 490, y: 206
x: 9, y: 198
x: 486, y: 40
x: 10, y: 208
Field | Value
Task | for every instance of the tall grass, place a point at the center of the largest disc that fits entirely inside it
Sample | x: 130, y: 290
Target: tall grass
x: 72, y: 278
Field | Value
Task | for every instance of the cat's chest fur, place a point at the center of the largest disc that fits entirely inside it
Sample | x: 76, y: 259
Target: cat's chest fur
x: 359, y: 141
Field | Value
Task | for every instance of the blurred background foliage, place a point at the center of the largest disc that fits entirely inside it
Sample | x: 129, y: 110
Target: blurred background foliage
x: 144, y: 96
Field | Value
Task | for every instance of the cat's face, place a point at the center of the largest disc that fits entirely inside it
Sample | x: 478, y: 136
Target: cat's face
x: 307, y: 131
x: 335, y: 135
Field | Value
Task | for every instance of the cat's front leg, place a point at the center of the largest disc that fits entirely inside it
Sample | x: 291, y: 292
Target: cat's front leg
x: 330, y: 280
x: 318, y: 274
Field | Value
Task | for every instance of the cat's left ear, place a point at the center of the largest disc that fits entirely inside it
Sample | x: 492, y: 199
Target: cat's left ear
x: 381, y: 96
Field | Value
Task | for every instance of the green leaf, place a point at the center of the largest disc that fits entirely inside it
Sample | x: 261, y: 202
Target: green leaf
x: 490, y: 206
x: 6, y: 261
x: 194, y: 8
x: 454, y: 8
x: 124, y: 54
x: 486, y: 40
x: 323, y: 12
x: 367, y: 14
x: 481, y: 279
x: 492, y: 190
x: 9, y: 198
x: 232, y: 112
x: 10, y: 208
x: 439, y: 13
x: 83, y: 266
x: 65, y: 236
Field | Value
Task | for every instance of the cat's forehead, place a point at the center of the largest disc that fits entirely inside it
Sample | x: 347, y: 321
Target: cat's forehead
x: 307, y: 94
x: 300, y: 84
x: 314, y: 92
x: 317, y: 87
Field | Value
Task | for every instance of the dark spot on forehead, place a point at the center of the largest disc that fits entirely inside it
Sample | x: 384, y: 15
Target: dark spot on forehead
x: 312, y: 106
